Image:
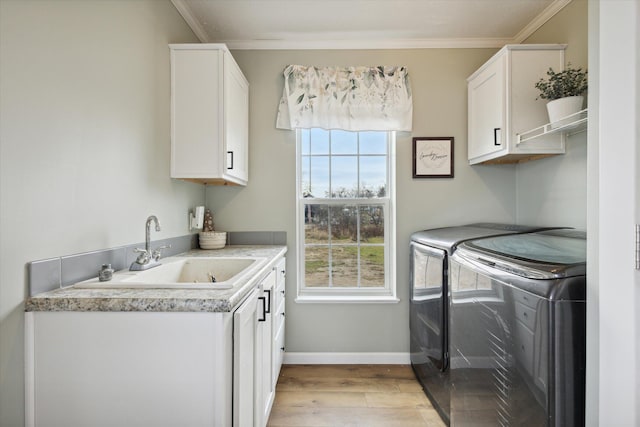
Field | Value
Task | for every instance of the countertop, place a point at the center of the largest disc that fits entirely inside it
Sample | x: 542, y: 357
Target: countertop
x: 165, y: 300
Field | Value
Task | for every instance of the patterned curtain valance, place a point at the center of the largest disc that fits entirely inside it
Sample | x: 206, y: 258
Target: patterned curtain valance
x: 348, y: 98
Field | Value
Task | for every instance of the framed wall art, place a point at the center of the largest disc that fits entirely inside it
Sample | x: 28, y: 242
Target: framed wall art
x: 433, y: 157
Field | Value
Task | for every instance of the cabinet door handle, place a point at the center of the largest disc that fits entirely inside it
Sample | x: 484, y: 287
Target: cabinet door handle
x: 268, y: 292
x: 231, y: 162
x: 264, y: 309
x: 495, y: 136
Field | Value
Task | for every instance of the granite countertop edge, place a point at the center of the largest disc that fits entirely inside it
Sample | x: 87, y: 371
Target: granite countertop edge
x: 163, y: 300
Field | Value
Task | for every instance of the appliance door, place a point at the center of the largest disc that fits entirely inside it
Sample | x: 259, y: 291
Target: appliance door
x: 500, y: 349
x: 427, y: 324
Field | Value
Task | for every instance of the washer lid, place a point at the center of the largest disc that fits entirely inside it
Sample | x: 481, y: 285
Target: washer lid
x: 447, y: 238
x: 561, y: 252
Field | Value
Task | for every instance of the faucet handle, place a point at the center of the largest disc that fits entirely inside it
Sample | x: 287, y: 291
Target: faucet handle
x: 156, y: 252
x: 144, y: 256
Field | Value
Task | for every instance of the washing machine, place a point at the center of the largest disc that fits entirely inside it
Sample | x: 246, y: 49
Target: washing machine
x: 428, y: 323
x: 517, y: 330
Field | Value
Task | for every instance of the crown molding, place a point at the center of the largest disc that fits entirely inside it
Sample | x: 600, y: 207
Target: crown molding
x: 191, y: 20
x: 359, y: 44
x: 540, y: 20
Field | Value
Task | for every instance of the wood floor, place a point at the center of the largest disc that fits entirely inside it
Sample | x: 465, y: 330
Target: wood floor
x: 351, y: 395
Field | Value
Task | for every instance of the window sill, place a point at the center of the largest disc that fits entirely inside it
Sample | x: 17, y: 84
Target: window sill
x: 319, y: 299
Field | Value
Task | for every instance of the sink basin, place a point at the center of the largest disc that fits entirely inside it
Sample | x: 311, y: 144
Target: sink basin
x: 183, y: 273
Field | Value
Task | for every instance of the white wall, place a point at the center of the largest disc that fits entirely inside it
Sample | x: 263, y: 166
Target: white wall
x: 487, y: 193
x: 553, y: 191
x: 84, y: 153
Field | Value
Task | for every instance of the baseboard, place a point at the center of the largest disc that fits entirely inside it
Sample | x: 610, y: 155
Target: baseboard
x: 297, y: 358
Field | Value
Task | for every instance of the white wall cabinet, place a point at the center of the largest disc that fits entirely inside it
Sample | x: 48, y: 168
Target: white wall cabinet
x: 502, y: 103
x: 209, y: 115
x: 154, y: 368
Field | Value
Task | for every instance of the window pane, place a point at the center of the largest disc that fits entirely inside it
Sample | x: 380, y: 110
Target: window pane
x: 344, y: 176
x: 373, y: 143
x: 319, y: 176
x: 305, y: 176
x: 373, y: 176
x: 372, y: 224
x: 316, y: 266
x: 344, y: 244
x: 344, y: 266
x: 343, y: 142
x: 316, y: 224
x: 372, y: 266
x: 305, y: 141
x: 344, y: 224
x: 319, y: 141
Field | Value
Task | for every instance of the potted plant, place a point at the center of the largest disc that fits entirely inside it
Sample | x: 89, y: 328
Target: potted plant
x: 564, y: 91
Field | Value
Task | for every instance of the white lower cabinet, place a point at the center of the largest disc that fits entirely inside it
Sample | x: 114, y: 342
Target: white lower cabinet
x: 278, y: 321
x: 265, y: 386
x: 154, y: 368
x: 245, y: 349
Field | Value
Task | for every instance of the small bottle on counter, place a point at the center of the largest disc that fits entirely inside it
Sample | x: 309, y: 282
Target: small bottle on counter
x: 106, y: 273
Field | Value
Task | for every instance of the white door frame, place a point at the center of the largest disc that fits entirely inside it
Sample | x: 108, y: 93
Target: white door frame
x: 613, y: 290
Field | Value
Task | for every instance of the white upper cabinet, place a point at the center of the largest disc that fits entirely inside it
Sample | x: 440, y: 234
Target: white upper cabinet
x: 502, y: 103
x: 209, y: 115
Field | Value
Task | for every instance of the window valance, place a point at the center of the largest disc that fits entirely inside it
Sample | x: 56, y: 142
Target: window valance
x: 348, y: 98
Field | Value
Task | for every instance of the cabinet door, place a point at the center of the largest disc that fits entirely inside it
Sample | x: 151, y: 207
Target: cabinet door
x: 264, y: 381
x: 486, y: 93
x: 236, y: 110
x: 244, y: 345
x: 278, y: 321
x: 196, y: 113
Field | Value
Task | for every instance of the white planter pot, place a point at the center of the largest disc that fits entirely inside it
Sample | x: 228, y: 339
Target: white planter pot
x: 558, y: 109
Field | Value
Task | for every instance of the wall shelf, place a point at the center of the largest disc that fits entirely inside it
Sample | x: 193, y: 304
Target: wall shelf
x: 570, y: 125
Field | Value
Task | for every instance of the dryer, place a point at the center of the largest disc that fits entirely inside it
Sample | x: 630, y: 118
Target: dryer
x: 429, y: 254
x: 517, y: 330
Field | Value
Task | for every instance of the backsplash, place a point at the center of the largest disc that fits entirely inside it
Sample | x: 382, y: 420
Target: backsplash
x: 49, y: 274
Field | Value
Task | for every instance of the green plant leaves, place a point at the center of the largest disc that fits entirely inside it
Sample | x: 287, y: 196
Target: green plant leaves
x: 570, y: 82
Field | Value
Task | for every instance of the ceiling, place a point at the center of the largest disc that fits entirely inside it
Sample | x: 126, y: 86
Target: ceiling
x: 363, y: 24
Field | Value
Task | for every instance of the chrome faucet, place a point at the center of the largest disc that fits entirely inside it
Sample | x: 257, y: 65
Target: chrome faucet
x: 148, y: 258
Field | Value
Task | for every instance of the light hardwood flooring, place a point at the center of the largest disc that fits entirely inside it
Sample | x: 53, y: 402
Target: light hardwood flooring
x: 351, y: 395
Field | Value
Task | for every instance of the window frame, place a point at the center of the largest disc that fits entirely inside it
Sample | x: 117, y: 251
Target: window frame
x: 386, y: 294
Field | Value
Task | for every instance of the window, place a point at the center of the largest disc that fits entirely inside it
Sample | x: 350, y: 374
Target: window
x: 345, y: 215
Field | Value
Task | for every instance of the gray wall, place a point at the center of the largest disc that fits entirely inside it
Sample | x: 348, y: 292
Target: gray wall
x: 438, y: 78
x: 554, y: 190
x: 84, y: 152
